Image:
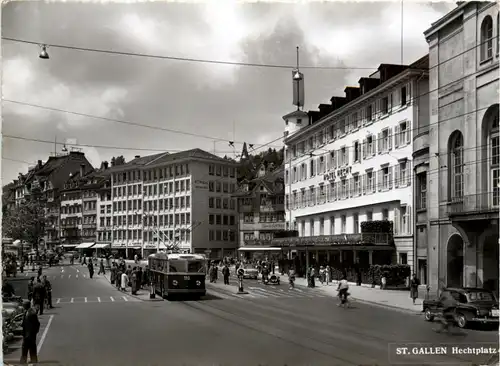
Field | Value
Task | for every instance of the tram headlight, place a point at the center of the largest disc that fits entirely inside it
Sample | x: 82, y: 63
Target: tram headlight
x: 198, y: 283
x: 175, y: 283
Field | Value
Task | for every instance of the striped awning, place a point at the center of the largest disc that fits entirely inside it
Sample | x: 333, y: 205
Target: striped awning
x: 85, y: 245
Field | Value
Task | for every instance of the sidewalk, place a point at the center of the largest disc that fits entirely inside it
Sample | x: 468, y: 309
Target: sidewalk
x: 398, y: 300
x: 142, y: 294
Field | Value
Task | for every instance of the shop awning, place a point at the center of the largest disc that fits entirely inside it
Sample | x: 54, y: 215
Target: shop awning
x: 160, y: 246
x: 259, y: 249
x: 68, y: 245
x: 100, y: 246
x: 85, y: 245
x: 16, y: 243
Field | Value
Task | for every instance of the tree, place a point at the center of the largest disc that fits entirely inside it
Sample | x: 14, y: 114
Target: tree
x: 118, y: 160
x: 25, y: 222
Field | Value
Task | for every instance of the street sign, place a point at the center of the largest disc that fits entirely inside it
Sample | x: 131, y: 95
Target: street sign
x: 241, y: 272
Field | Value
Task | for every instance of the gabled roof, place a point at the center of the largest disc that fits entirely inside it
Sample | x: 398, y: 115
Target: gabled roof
x: 268, y: 181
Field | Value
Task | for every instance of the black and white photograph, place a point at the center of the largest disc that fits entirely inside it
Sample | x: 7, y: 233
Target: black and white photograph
x: 250, y: 183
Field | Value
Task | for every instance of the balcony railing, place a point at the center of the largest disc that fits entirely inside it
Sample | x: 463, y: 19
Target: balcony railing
x: 475, y: 204
x: 340, y: 239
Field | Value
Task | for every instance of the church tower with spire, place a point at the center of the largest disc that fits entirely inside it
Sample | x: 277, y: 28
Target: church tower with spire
x: 244, y: 151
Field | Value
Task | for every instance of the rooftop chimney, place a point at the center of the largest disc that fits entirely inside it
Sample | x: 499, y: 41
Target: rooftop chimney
x: 137, y: 156
x: 105, y: 165
x: 82, y: 169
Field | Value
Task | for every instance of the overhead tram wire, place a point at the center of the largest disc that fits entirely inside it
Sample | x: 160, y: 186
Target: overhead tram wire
x: 217, y: 139
x: 185, y: 59
x: 99, y: 146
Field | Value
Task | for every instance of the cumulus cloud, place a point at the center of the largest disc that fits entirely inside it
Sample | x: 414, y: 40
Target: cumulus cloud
x: 198, y: 97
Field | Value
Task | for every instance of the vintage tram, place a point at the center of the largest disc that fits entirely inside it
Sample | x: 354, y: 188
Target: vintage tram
x: 178, y: 274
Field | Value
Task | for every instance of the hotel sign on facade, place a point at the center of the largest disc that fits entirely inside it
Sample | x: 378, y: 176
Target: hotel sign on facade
x: 341, y: 173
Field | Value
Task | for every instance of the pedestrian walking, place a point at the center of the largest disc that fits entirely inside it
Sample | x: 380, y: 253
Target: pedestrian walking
x: 39, y: 296
x: 91, y: 268
x: 31, y: 327
x: 101, y: 268
x: 415, y: 282
x: 124, y: 282
x: 328, y: 275
x: 48, y: 291
x: 312, y: 276
x: 225, y: 273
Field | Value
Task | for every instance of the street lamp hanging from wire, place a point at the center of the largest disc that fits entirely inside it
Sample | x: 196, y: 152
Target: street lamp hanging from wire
x: 43, y: 52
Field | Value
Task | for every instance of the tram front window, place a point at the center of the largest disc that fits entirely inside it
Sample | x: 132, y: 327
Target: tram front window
x: 177, y: 266
x: 195, y: 266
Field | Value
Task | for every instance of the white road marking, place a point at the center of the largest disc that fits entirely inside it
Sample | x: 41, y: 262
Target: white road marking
x: 84, y: 276
x: 26, y: 275
x: 72, y: 300
x: 298, y: 289
x: 85, y: 299
x: 46, y: 330
x: 69, y: 276
x: 124, y: 298
x: 111, y: 297
x: 76, y: 276
x: 58, y: 301
x: 98, y: 299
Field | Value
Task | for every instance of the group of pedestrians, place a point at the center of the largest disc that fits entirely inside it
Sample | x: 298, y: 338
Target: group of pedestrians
x: 133, y: 277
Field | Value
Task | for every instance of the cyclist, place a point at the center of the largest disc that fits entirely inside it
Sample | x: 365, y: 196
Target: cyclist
x: 342, y: 289
x: 449, y: 304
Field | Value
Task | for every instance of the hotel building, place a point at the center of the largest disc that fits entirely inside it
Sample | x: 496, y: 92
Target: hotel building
x: 167, y: 200
x: 350, y: 162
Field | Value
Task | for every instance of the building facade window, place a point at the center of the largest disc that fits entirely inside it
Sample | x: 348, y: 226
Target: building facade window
x: 422, y: 191
x: 456, y: 155
x: 322, y: 226
x: 355, y: 219
x: 343, y: 224
x: 486, y: 38
x: 494, y: 158
x: 332, y: 225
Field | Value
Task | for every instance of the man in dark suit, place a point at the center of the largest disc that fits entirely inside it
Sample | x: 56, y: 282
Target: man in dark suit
x: 31, y: 326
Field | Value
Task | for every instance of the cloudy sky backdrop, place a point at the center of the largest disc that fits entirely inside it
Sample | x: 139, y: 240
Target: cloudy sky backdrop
x: 200, y: 98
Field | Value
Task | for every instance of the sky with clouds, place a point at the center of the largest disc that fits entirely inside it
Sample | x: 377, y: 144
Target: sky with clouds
x: 201, y: 98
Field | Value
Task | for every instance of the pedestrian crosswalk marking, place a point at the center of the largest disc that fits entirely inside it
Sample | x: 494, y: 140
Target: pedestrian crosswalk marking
x: 58, y: 301
x: 93, y: 300
x: 98, y: 299
x: 84, y: 276
x: 85, y: 299
x: 111, y: 297
x: 124, y: 298
x: 72, y: 299
x: 69, y: 276
x: 76, y: 276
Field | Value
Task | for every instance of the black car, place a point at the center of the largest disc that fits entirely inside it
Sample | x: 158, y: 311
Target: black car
x: 474, y: 305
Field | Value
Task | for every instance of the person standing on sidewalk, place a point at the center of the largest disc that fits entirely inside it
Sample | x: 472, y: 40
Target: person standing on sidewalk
x: 225, y: 273
x: 139, y: 277
x: 101, y: 268
x: 48, y: 291
x: 133, y: 280
x: 31, y: 327
x: 414, y: 283
x: 113, y: 270
x: 39, y: 296
x: 328, y: 275
x: 124, y: 282
x: 118, y: 279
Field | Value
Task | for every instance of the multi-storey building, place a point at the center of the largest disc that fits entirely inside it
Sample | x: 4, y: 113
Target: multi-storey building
x: 352, y: 162
x: 71, y: 212
x: 458, y: 172
x: 261, y: 209
x: 153, y: 200
x: 104, y: 215
x: 44, y: 181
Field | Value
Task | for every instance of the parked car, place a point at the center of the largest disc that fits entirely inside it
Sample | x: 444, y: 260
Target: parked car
x: 250, y: 271
x: 474, y: 305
